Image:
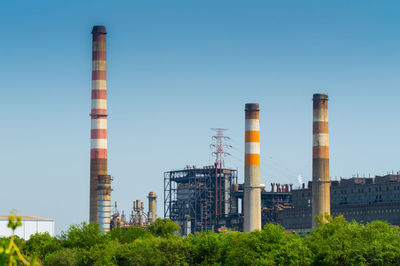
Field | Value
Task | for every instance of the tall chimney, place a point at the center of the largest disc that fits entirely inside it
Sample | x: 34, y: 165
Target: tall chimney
x: 152, y: 206
x: 98, y: 114
x: 321, y: 203
x: 252, y: 186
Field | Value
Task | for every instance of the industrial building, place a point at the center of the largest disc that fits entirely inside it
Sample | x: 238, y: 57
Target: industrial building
x: 209, y: 198
x: 200, y: 199
x: 360, y: 199
x: 30, y: 225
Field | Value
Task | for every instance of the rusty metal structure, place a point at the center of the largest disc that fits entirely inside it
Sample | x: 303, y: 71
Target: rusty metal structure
x: 199, y: 199
x: 321, y: 203
x: 104, y: 202
x: 98, y: 115
x: 138, y: 216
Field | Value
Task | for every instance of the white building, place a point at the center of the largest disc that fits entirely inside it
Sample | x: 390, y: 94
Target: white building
x: 30, y: 225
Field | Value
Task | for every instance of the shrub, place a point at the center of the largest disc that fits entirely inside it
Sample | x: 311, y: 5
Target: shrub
x: 83, y: 236
x: 163, y: 227
x: 41, y: 245
x: 128, y: 235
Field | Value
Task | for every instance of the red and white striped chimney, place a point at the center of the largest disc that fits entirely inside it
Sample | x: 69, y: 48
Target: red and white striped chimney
x: 98, y: 136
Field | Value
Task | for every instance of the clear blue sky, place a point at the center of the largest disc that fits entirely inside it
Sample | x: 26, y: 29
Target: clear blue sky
x: 177, y: 69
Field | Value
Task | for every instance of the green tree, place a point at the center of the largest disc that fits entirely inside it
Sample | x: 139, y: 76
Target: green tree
x: 130, y: 234
x: 163, y: 227
x: 347, y: 243
x: 66, y: 257
x: 41, y: 244
x: 83, y: 236
x: 207, y: 247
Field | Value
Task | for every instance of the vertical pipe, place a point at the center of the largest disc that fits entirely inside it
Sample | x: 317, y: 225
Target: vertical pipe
x: 320, y: 172
x: 220, y: 190
x: 98, y: 136
x: 216, y: 192
x: 252, y: 186
x: 235, y: 200
x: 152, y: 206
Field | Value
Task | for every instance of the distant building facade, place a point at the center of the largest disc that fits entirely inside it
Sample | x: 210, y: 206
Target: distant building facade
x: 30, y: 225
x: 360, y: 199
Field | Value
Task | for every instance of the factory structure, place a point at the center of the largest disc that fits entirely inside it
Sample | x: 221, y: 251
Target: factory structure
x: 210, y: 198
x: 201, y: 199
x: 138, y: 217
x: 192, y: 196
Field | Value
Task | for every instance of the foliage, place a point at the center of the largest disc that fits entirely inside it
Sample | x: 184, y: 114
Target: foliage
x: 128, y: 235
x: 41, y: 244
x: 83, y: 236
x: 335, y: 242
x: 163, y: 227
x: 9, y: 251
x: 340, y: 242
x: 66, y: 256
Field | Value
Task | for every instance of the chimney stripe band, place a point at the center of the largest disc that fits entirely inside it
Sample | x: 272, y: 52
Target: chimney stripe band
x: 320, y: 139
x: 252, y: 159
x: 98, y: 143
x: 99, y: 104
x: 99, y: 123
x: 320, y: 127
x: 99, y: 75
x: 99, y: 37
x: 99, y: 94
x: 98, y: 153
x: 99, y: 65
x: 99, y: 112
x: 252, y: 136
x: 99, y: 85
x: 252, y: 148
x: 99, y: 55
x: 99, y: 45
x: 321, y: 152
x: 320, y: 115
x: 252, y: 114
x: 252, y: 125
x: 98, y: 134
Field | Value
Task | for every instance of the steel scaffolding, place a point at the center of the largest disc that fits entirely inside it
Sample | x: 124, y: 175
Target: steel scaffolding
x: 199, y: 198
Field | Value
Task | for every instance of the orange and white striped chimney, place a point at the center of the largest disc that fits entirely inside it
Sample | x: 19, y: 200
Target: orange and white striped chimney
x: 98, y: 114
x: 321, y: 203
x: 252, y: 185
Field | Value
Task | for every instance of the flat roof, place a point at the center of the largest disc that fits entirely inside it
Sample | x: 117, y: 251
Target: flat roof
x: 27, y: 218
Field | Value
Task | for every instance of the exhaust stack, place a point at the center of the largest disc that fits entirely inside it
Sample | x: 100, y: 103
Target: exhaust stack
x: 152, y: 206
x: 98, y: 114
x: 252, y: 185
x: 321, y: 203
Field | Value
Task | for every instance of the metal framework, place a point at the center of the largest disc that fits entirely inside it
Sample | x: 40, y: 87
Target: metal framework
x: 199, y: 198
